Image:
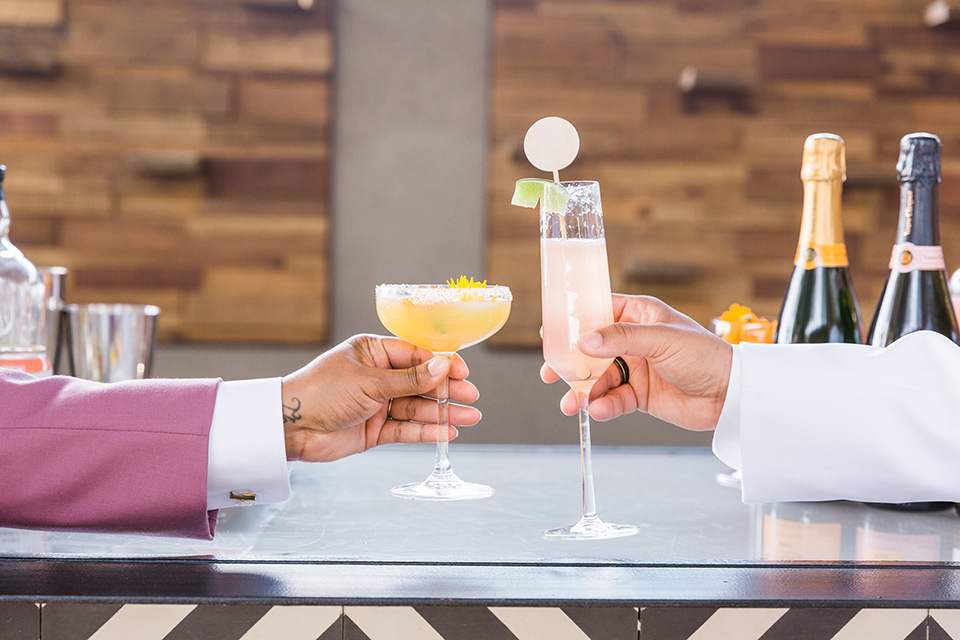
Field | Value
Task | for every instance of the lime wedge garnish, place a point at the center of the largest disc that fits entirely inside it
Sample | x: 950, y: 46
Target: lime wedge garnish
x: 530, y: 191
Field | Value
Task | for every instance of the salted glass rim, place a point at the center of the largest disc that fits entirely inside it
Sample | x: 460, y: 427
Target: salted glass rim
x: 489, y: 292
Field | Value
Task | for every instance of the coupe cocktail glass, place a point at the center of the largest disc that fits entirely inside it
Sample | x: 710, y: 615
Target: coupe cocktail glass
x: 575, y: 285
x: 443, y: 319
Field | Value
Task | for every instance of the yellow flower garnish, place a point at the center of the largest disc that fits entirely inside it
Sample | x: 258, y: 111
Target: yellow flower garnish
x: 463, y: 283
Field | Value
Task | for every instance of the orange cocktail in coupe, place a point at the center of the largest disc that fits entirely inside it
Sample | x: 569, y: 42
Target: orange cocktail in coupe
x: 443, y: 319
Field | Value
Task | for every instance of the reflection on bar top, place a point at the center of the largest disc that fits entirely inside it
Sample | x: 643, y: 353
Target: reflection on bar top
x: 343, y: 511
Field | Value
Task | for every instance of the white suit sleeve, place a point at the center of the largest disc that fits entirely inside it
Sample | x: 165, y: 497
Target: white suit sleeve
x: 246, y: 452
x: 838, y: 421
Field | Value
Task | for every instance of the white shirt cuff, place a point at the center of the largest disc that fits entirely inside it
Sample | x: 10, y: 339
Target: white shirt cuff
x: 247, y: 454
x: 726, y: 438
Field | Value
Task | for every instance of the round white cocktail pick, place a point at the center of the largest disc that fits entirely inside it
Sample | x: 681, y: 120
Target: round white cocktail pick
x: 551, y: 144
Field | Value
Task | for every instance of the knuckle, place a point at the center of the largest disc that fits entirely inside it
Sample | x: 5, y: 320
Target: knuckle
x: 415, y: 376
x: 409, y: 410
x: 621, y: 333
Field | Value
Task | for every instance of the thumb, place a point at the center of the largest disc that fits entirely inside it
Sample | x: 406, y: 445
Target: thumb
x: 414, y: 380
x: 623, y: 339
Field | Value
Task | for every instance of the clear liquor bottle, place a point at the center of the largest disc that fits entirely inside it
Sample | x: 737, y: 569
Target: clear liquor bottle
x: 22, y: 332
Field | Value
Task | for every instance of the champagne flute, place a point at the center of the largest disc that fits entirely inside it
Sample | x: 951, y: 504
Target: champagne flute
x: 443, y: 319
x: 575, y: 281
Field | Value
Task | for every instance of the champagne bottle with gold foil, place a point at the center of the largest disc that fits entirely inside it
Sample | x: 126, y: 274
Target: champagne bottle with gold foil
x: 820, y: 304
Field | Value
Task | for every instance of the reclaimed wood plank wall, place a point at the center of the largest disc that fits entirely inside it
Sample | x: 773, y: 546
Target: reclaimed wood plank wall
x: 701, y: 189
x: 175, y: 152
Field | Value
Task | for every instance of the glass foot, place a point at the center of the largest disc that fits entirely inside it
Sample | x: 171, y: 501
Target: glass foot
x: 591, y: 529
x: 449, y: 487
x: 729, y: 479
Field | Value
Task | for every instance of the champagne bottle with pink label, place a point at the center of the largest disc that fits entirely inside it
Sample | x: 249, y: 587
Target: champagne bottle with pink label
x: 916, y: 296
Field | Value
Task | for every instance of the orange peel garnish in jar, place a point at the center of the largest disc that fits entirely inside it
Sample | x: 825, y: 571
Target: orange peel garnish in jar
x: 740, y: 324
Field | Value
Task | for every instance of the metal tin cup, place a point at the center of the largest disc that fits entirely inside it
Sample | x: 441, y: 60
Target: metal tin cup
x: 111, y: 342
x: 54, y: 286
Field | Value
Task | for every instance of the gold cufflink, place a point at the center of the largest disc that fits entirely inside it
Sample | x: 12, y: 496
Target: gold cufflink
x: 244, y: 497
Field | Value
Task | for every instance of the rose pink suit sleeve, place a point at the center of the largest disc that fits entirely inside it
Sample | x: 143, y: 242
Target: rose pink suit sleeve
x: 123, y: 457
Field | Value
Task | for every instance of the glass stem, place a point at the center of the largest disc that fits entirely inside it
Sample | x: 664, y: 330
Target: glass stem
x: 442, y: 468
x: 586, y: 461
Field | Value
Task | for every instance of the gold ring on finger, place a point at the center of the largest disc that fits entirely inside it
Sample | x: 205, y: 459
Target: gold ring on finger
x: 623, y: 369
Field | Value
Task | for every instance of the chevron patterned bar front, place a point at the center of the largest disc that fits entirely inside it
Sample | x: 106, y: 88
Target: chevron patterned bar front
x: 87, y: 621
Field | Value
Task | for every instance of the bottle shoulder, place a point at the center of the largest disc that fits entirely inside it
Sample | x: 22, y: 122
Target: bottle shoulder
x: 820, y: 305
x: 913, y: 301
x: 14, y: 266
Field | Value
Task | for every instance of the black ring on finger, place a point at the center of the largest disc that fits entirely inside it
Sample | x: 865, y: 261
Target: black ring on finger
x: 623, y: 369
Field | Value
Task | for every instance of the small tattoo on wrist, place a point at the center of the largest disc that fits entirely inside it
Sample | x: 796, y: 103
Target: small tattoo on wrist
x: 291, y: 412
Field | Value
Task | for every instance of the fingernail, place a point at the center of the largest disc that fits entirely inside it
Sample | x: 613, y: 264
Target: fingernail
x: 592, y: 339
x: 436, y: 366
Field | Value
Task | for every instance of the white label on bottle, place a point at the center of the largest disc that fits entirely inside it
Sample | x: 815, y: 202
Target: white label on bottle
x: 908, y: 257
